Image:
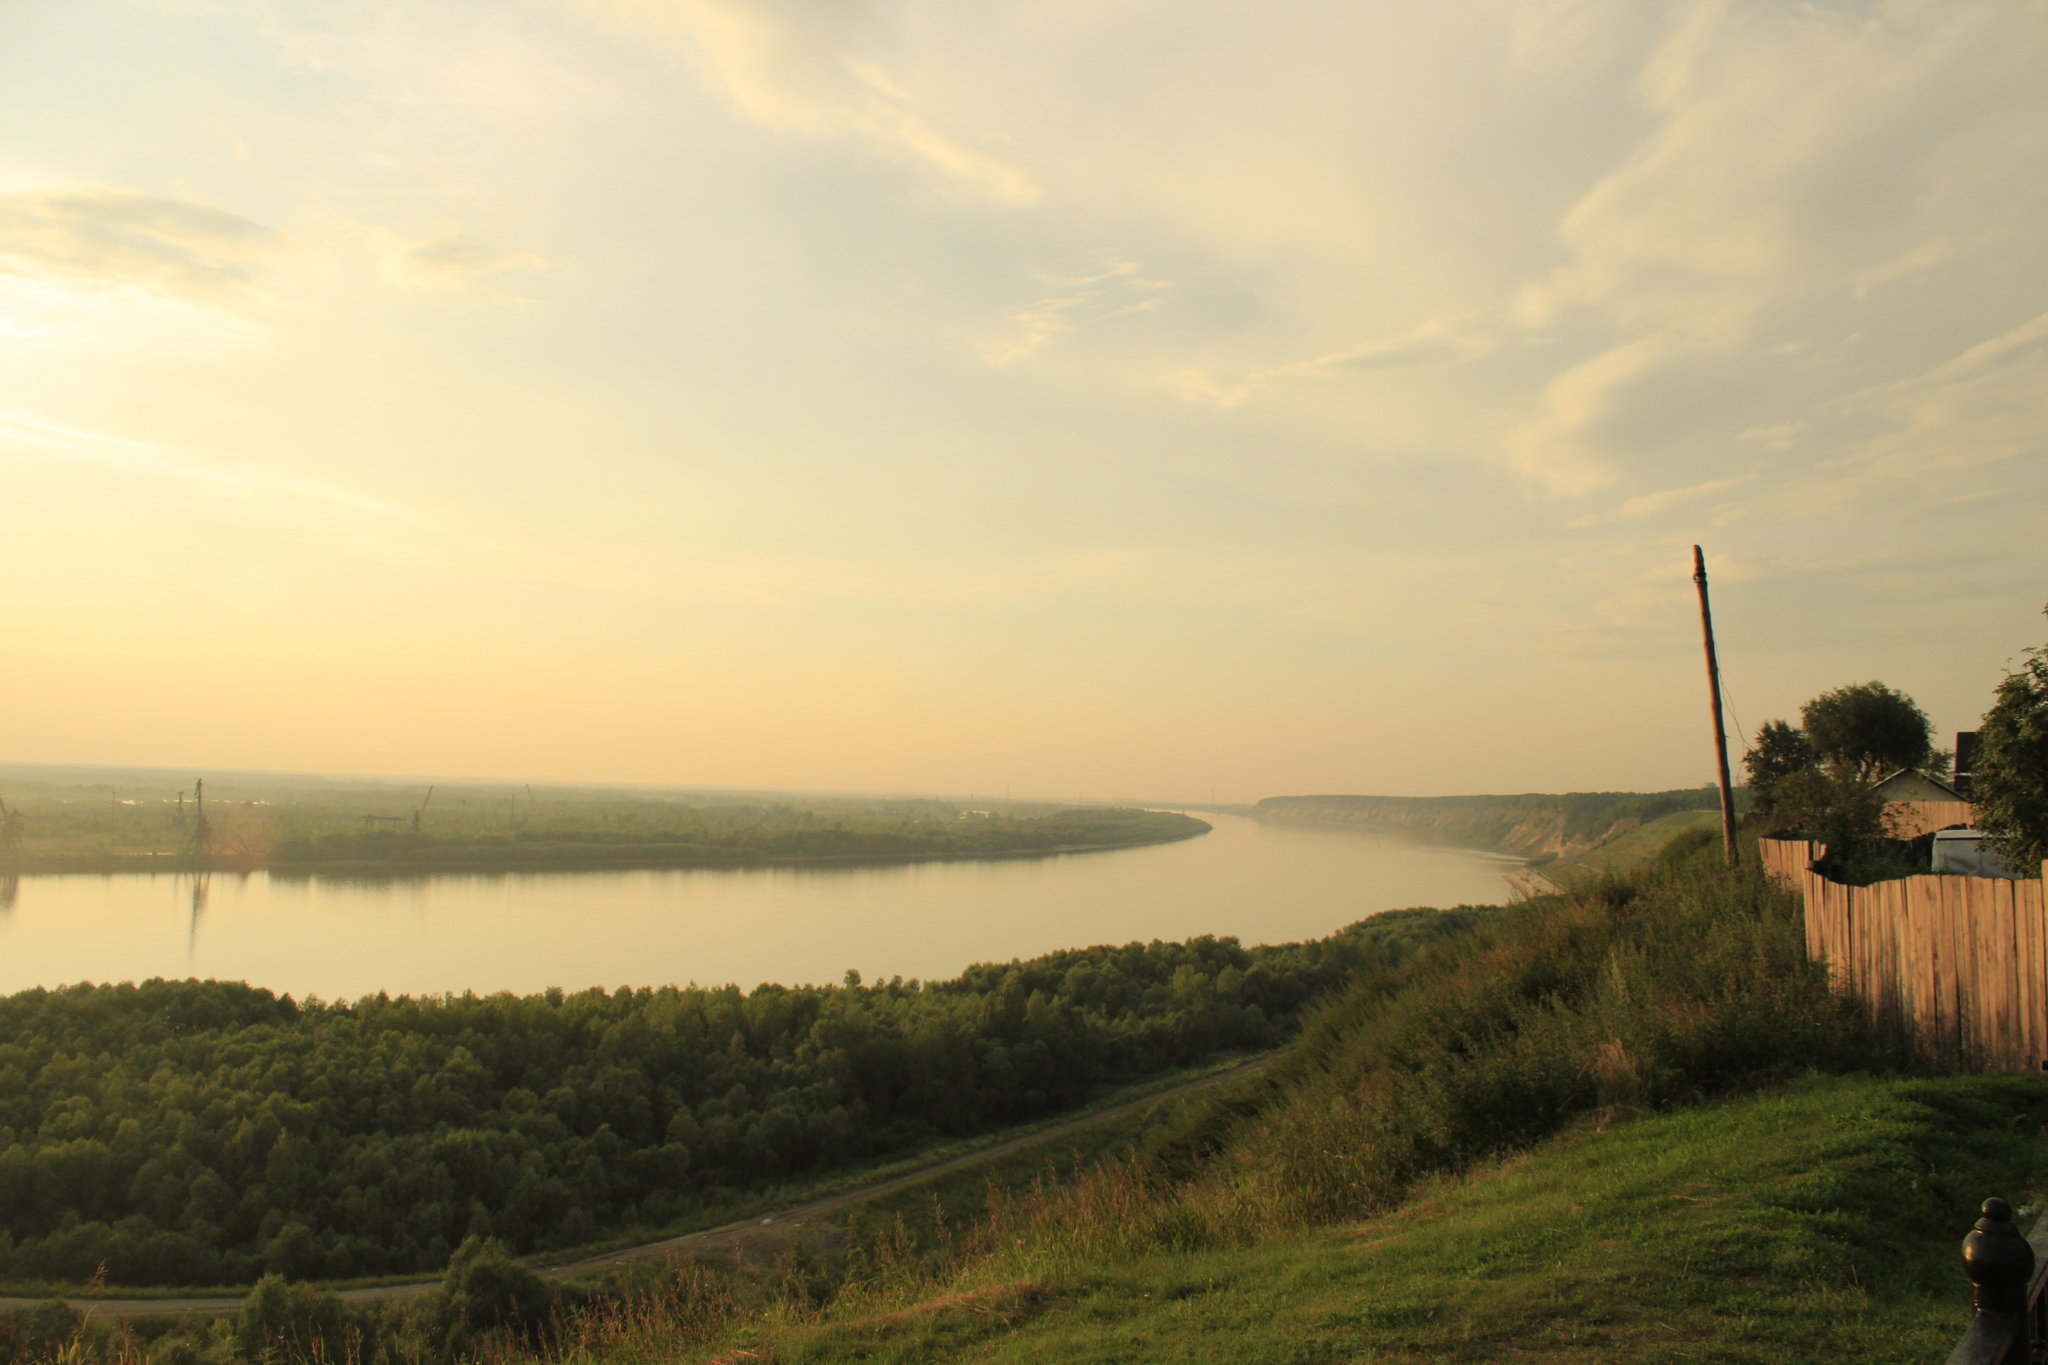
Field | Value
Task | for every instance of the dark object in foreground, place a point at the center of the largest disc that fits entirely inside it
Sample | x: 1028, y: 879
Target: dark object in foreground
x: 2008, y: 1276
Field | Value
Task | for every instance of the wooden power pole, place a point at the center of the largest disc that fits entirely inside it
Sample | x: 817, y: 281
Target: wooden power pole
x: 1699, y: 578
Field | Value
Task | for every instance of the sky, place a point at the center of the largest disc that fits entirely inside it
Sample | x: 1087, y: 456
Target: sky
x: 1114, y: 398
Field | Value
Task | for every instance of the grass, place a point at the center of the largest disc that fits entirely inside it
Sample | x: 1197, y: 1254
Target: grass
x: 1818, y: 1221
x: 950, y: 1204
x: 1634, y: 848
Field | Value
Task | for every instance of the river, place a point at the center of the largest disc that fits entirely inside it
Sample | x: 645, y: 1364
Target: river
x: 340, y: 939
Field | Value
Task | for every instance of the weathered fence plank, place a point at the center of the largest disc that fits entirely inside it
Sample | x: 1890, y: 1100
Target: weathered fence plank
x: 1959, y: 963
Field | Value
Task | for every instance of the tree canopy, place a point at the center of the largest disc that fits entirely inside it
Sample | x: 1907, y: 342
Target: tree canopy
x: 2009, y: 774
x: 1781, y: 750
x: 1868, y: 729
x: 205, y: 1132
x: 1820, y: 777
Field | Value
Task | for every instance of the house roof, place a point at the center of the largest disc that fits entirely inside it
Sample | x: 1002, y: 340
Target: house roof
x: 1903, y: 774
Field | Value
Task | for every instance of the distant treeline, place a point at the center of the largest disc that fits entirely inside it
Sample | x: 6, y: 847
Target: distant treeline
x: 695, y: 837
x: 207, y: 1132
x: 1531, y: 823
x: 65, y: 831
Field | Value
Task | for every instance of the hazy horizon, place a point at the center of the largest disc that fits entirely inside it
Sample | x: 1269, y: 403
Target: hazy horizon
x: 175, y: 777
x: 755, y: 395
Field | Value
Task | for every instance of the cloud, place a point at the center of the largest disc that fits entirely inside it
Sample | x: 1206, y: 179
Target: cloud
x: 447, y: 264
x: 1115, y: 291
x: 1985, y: 405
x: 101, y: 240
x: 1797, y: 157
x: 1558, y: 446
x: 1563, y: 38
x: 1649, y: 503
x: 1442, y: 341
x: 795, y: 66
x: 1926, y: 256
x: 1777, y: 436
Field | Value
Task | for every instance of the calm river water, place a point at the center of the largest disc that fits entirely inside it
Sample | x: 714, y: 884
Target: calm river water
x: 524, y: 932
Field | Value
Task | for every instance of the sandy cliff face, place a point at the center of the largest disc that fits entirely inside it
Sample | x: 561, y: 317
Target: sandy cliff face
x: 1567, y: 825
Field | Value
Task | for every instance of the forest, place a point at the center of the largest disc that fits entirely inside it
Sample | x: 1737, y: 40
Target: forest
x: 207, y: 1132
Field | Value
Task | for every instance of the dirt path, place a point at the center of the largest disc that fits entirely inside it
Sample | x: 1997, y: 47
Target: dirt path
x: 750, y: 1240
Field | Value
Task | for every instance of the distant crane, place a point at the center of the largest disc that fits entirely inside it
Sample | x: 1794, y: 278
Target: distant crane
x: 199, y: 848
x: 421, y: 810
x: 12, y: 821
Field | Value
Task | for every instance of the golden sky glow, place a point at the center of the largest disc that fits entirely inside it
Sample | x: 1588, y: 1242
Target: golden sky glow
x: 1107, y: 398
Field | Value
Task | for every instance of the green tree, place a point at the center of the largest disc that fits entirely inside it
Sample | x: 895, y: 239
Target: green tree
x: 1868, y: 730
x: 1834, y: 806
x: 2009, y: 775
x: 1780, y: 750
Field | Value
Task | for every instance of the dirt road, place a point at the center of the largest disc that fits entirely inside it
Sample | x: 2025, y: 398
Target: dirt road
x: 752, y: 1240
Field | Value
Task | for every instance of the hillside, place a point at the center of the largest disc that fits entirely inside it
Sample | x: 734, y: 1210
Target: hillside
x: 1569, y: 825
x: 1632, y: 1123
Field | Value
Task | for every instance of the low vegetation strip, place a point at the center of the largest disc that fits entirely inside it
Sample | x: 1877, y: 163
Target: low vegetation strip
x: 307, y: 839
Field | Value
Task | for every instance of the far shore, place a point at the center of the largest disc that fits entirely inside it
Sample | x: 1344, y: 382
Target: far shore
x: 491, y: 861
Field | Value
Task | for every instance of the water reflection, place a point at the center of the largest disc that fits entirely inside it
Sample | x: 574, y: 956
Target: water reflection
x: 10, y: 891
x: 348, y: 937
x: 201, y: 883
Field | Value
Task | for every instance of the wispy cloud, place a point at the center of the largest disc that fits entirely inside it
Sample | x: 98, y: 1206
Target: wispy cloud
x: 1776, y: 436
x: 1722, y: 214
x: 797, y: 67
x: 1987, y: 404
x: 105, y: 240
x: 1559, y: 444
x: 1649, y: 503
x: 1926, y: 256
x: 1114, y: 291
x: 447, y: 264
x: 1441, y: 341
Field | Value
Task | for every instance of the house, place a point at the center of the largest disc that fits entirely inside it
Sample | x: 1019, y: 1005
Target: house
x: 1908, y: 785
x: 1916, y: 804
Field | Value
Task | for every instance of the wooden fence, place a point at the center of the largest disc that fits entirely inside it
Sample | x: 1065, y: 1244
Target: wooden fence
x: 1959, y: 963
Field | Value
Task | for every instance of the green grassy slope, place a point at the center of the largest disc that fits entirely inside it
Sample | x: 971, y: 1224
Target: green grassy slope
x: 1631, y: 848
x: 1818, y: 1221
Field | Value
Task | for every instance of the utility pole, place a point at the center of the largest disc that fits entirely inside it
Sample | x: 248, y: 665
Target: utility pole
x: 1699, y: 578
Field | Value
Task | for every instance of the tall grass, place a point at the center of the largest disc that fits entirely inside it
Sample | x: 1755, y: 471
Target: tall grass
x: 1663, y: 986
